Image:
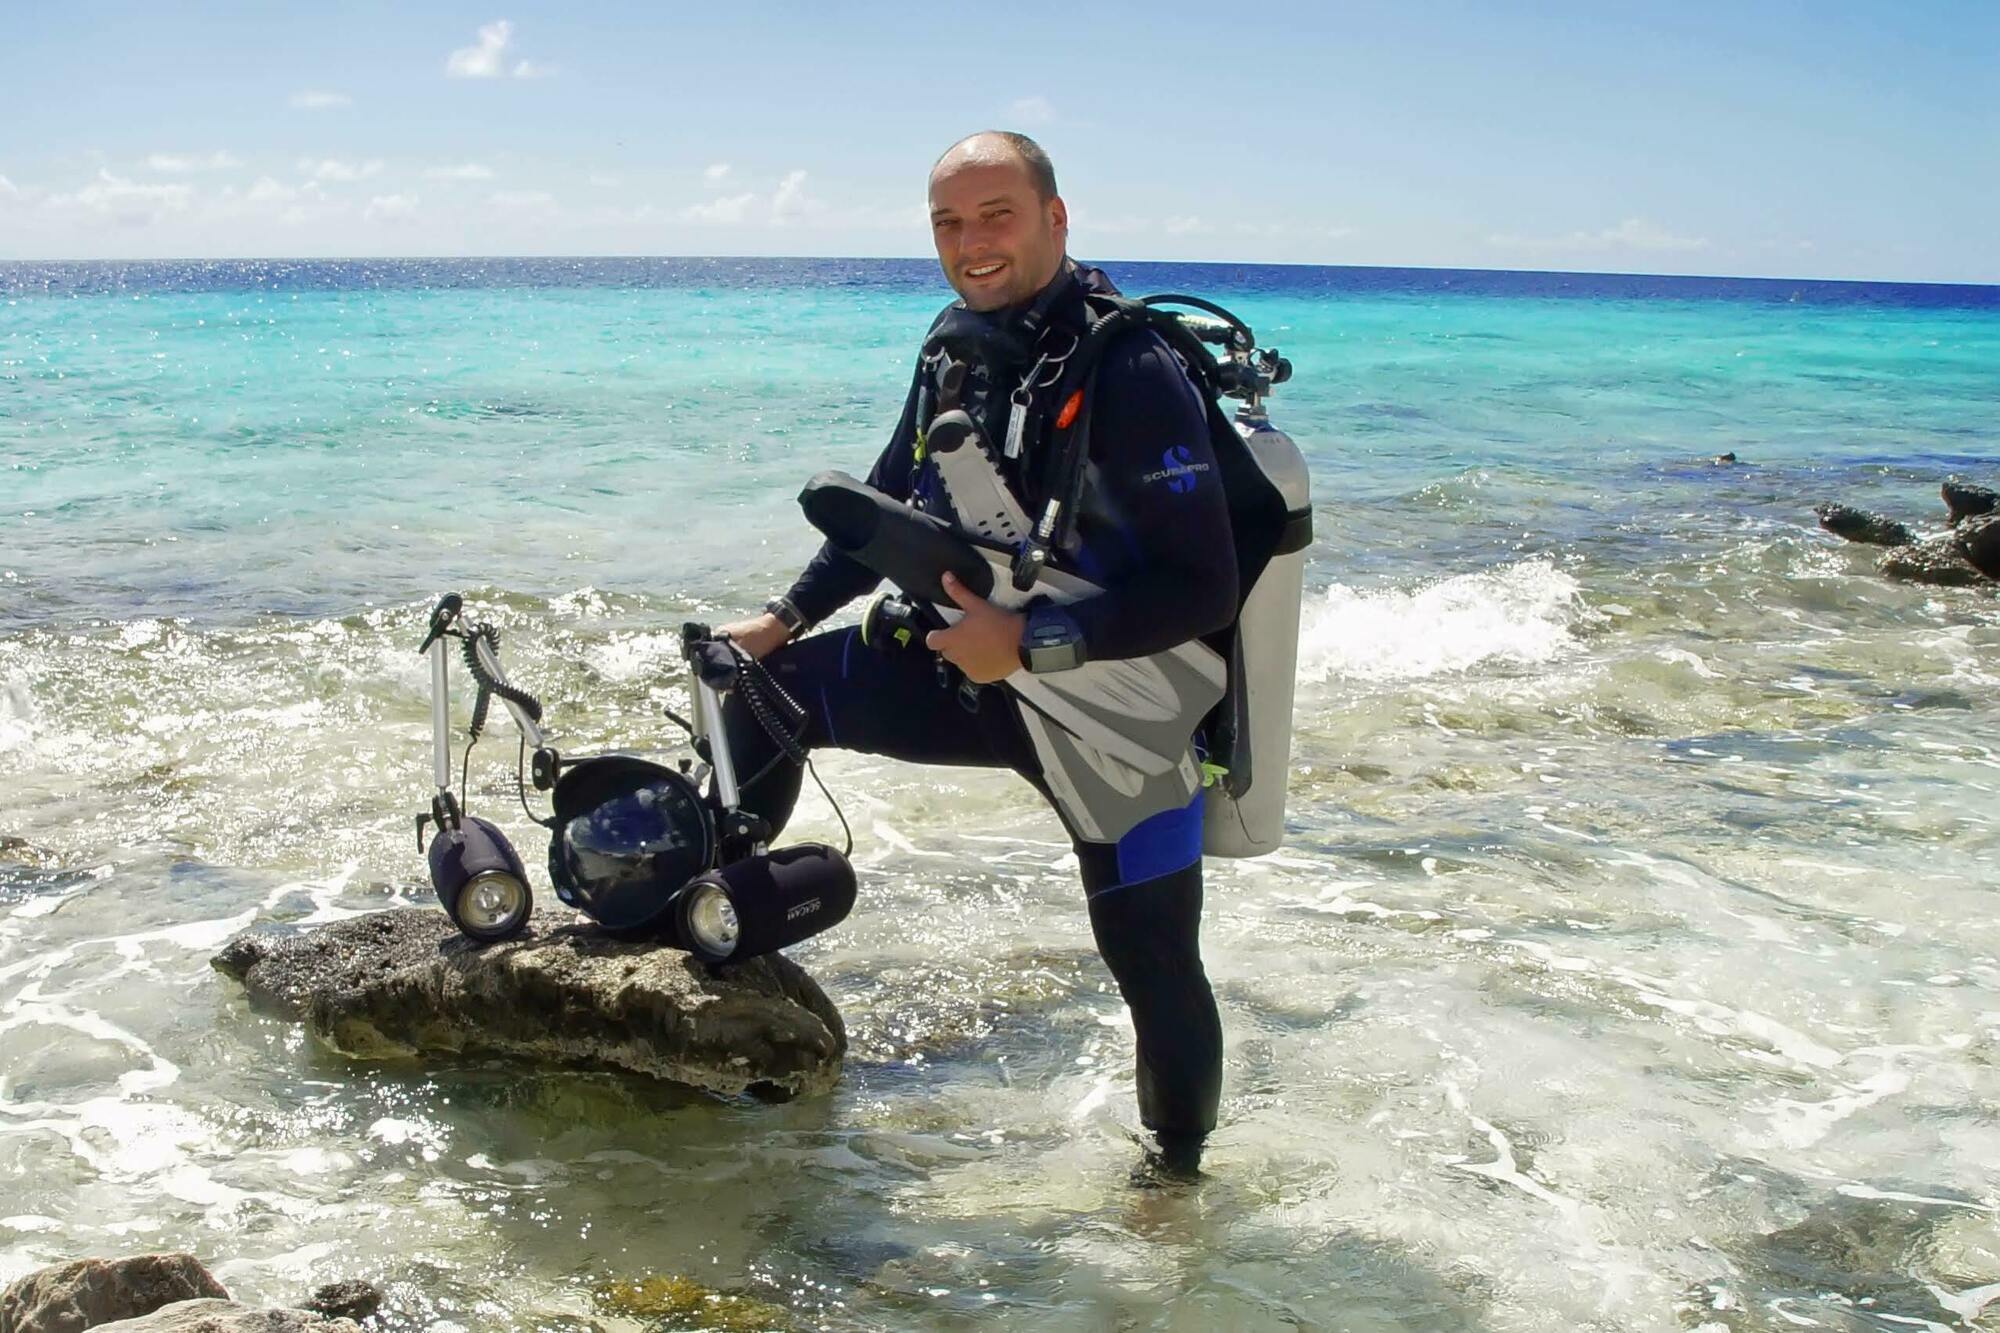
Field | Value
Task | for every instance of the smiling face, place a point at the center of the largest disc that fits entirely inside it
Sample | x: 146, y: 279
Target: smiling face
x: 998, y: 241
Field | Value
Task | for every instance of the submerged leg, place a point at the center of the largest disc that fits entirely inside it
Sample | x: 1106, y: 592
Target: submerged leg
x: 1149, y: 933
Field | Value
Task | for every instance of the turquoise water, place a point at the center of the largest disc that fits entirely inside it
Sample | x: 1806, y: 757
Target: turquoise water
x: 1629, y: 966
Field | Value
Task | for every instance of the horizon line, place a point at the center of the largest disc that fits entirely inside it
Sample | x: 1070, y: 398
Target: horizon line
x: 927, y: 259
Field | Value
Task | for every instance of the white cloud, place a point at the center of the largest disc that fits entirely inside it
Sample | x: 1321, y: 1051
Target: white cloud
x: 487, y: 57
x: 523, y: 200
x: 602, y: 181
x: 390, y: 208
x: 8, y: 190
x: 1631, y: 235
x: 337, y: 171
x: 1282, y: 230
x: 715, y: 173
x: 729, y: 208
x: 313, y: 100
x: 124, y: 201
x: 791, y: 200
x: 180, y: 164
x: 1031, y: 111
x: 464, y: 171
x: 268, y: 197
x: 1186, y: 226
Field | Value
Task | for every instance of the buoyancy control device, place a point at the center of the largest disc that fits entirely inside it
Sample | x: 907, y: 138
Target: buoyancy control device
x: 1247, y: 735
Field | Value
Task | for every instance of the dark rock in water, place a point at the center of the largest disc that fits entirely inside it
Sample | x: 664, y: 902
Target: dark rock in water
x: 1963, y: 500
x: 1936, y: 560
x: 228, y: 1317
x: 353, y: 1299
x: 404, y: 983
x: 1978, y: 540
x: 89, y: 1293
x: 1857, y: 525
x: 1723, y: 459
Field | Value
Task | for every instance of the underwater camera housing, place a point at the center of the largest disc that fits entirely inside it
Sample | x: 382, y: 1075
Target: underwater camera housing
x: 645, y: 850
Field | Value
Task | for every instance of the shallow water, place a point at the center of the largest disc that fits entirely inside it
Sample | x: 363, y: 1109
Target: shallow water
x: 1630, y: 964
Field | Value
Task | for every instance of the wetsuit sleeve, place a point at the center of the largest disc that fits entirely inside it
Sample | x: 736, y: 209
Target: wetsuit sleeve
x: 832, y: 580
x: 1162, y: 530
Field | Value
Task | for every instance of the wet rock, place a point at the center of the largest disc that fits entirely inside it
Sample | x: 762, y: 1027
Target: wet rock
x: 215, y: 1316
x: 1858, y: 525
x: 679, y: 1302
x: 353, y: 1299
x: 405, y: 983
x: 1935, y: 560
x: 89, y: 1293
x: 1723, y: 460
x: 1963, y: 500
x: 1978, y: 540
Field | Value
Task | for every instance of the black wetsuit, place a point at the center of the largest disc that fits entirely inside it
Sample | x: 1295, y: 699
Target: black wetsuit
x: 1154, y: 534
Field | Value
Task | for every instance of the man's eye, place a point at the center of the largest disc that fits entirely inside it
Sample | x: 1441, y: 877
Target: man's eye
x: 941, y: 224
x: 1001, y: 213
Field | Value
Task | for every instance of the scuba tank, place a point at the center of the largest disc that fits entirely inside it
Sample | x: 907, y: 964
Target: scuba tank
x: 1247, y: 818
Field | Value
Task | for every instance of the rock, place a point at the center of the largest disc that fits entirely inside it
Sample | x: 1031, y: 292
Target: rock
x: 88, y: 1293
x: 1963, y: 500
x: 211, y: 1316
x: 1860, y: 526
x: 1723, y: 460
x: 1978, y: 540
x: 405, y: 983
x: 352, y: 1299
x: 1935, y: 560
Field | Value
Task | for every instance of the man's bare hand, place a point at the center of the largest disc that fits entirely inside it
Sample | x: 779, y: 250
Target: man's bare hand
x: 758, y: 635
x: 986, y: 644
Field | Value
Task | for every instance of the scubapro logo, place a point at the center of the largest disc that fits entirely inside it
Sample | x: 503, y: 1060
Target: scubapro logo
x: 1178, y: 470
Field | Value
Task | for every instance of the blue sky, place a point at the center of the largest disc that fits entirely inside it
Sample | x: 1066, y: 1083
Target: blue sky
x: 1776, y: 137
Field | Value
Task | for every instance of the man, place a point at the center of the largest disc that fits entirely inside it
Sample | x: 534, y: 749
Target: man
x: 1155, y: 538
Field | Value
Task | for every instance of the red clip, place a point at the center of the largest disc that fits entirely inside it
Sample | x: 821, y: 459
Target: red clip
x: 1070, y: 408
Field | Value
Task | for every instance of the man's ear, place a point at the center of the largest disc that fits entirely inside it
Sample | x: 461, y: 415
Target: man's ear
x: 1059, y: 215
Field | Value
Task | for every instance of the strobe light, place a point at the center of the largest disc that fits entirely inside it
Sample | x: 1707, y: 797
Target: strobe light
x: 763, y: 903
x: 480, y: 880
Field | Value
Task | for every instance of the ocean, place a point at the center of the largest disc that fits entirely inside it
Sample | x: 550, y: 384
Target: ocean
x: 1630, y: 964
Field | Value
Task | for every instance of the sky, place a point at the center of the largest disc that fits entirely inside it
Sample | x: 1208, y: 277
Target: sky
x: 1768, y: 137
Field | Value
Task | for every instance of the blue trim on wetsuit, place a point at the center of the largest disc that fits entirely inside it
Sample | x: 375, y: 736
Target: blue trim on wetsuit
x: 1159, y: 845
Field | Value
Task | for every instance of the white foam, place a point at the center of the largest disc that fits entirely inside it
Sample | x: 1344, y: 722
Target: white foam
x: 1523, y: 613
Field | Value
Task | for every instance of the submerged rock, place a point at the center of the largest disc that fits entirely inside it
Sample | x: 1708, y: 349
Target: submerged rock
x: 1934, y: 560
x: 406, y: 983
x: 1858, y: 525
x: 90, y: 1293
x: 1963, y: 500
x: 352, y: 1299
x: 217, y: 1316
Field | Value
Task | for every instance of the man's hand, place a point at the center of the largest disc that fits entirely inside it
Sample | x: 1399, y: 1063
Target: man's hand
x: 986, y: 644
x: 758, y: 635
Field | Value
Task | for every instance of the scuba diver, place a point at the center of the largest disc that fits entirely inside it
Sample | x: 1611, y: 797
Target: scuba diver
x: 1065, y: 690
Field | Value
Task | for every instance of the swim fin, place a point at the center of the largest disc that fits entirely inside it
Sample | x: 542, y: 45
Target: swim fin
x: 1113, y: 737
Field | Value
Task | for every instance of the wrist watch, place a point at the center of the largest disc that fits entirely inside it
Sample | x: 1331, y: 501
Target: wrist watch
x: 787, y: 615
x: 1051, y: 640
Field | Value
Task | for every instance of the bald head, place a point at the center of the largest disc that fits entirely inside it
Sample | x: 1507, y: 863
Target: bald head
x: 998, y: 224
x: 990, y: 148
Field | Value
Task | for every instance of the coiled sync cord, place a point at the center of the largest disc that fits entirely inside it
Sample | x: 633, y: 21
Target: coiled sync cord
x: 771, y: 706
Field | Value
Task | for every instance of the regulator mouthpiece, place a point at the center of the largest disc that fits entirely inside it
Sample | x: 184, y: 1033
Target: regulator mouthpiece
x: 480, y: 880
x: 760, y: 904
